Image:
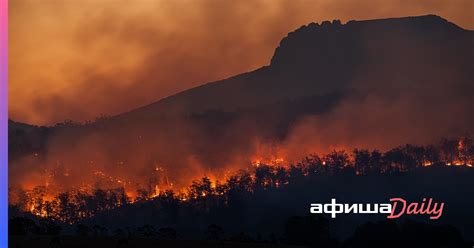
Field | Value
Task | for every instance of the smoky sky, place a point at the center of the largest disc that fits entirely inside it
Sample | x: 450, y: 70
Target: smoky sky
x: 77, y: 60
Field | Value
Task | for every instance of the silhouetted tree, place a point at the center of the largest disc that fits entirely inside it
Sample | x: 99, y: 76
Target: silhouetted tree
x: 314, y: 163
x: 263, y: 177
x: 449, y: 150
x: 432, y: 154
x: 466, y: 150
x: 200, y: 189
x: 361, y: 161
x: 336, y: 161
x: 376, y: 163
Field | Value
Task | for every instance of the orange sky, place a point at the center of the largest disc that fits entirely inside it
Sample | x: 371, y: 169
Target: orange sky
x: 79, y: 59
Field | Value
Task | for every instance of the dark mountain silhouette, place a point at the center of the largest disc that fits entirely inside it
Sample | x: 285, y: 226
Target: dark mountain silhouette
x: 383, y: 82
x: 326, y: 58
x: 24, y: 139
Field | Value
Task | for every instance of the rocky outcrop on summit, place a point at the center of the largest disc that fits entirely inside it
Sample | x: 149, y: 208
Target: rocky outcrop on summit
x: 377, y: 82
x: 334, y: 55
x: 324, y: 42
x: 318, y: 59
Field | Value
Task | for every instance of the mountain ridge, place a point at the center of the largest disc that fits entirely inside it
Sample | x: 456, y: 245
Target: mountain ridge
x: 285, y: 56
x: 373, y: 84
x: 423, y: 22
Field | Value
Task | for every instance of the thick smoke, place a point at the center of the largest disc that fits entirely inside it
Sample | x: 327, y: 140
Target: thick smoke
x: 71, y: 60
x: 116, y: 61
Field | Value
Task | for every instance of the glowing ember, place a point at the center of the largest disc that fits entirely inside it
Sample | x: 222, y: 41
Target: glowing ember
x: 45, y: 199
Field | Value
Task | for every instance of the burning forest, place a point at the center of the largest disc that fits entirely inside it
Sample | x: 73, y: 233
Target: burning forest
x: 355, y: 110
x: 266, y: 172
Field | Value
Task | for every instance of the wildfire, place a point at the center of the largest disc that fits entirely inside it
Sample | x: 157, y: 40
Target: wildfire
x: 157, y: 192
x: 45, y: 202
x: 36, y: 207
x: 427, y: 163
x: 99, y: 173
x: 270, y: 162
x: 459, y: 163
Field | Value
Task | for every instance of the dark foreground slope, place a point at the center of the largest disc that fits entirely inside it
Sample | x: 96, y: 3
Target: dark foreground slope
x: 258, y: 214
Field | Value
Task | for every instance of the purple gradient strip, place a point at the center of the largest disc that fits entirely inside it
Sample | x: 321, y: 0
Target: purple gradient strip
x: 3, y: 123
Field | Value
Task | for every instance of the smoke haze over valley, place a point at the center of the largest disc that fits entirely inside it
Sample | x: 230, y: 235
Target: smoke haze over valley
x: 78, y: 60
x: 329, y: 86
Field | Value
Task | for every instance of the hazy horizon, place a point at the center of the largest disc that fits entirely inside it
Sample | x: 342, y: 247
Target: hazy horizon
x: 165, y: 47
